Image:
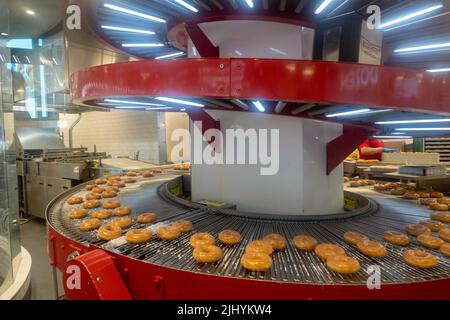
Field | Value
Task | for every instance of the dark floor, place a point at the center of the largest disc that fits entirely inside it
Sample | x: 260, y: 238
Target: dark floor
x: 33, y: 234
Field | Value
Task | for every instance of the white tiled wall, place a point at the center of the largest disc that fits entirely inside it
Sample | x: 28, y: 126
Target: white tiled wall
x: 118, y: 133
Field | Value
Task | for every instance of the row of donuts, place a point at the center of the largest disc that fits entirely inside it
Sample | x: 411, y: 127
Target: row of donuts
x: 438, y: 221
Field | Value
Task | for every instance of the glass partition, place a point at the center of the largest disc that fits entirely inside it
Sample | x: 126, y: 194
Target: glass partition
x: 9, y: 212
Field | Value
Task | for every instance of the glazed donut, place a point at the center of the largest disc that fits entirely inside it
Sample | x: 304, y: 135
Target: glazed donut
x: 417, y: 229
x: 420, y: 259
x: 93, y: 196
x: 111, y: 204
x: 439, y: 216
x: 92, y: 204
x: 202, y: 238
x: 97, y: 190
x: 89, y: 187
x: 101, y: 181
x: 363, y: 183
x: 392, y: 185
x: 112, y: 188
x: 346, y: 179
x: 117, y: 184
x: 109, y: 232
x: 259, y: 246
x: 78, y: 214
x: 130, y: 180
x: 444, y: 200
x: 102, y: 214
x: 439, y: 207
x: 146, y: 218
x: 434, y: 226
x: 114, y: 178
x: 445, y: 234
x: 326, y: 250
x: 397, y: 238
x: 277, y: 241
x: 372, y: 248
x: 131, y: 174
x: 411, y: 196
x: 429, y: 241
x: 353, y: 237
x: 355, y: 184
x: 122, y: 211
x: 304, y: 242
x: 379, y: 187
x: 75, y: 200
x: 137, y: 236
x: 168, y: 233
x: 436, y: 194
x: 230, y: 237
x: 90, y: 224
x: 256, y: 261
x: 398, y: 191
x: 445, y: 249
x: 122, y: 222
x: 157, y: 170
x: 183, y: 225
x: 427, y: 201
x: 208, y: 253
x: 371, y: 182
x: 424, y: 195
x: 343, y: 264
x: 146, y: 174
x: 109, y: 194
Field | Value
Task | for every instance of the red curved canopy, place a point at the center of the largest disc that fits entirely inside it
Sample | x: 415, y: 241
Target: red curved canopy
x: 282, y: 80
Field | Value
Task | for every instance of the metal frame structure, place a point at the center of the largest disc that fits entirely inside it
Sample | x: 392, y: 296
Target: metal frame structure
x: 112, y: 274
x: 322, y: 83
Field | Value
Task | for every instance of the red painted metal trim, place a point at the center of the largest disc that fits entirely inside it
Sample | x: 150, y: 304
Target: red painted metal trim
x: 342, y: 146
x: 179, y: 78
x: 148, y: 281
x: 339, y: 83
x: 207, y: 122
x: 289, y: 80
x: 97, y: 276
x: 201, y: 42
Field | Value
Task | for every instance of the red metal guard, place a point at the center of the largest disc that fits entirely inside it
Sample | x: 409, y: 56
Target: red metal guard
x: 94, y: 275
x: 203, y: 45
x: 342, y: 146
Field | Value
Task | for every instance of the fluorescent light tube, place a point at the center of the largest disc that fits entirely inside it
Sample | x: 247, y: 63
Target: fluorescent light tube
x: 423, y: 129
x: 170, y: 55
x: 259, y: 106
x: 134, y: 102
x: 347, y: 113
x: 439, y: 70
x: 127, y: 29
x: 445, y: 45
x: 134, y: 13
x: 186, y: 5
x: 323, y: 5
x: 413, y: 121
x: 410, y: 16
x: 178, y: 101
x: 141, y: 45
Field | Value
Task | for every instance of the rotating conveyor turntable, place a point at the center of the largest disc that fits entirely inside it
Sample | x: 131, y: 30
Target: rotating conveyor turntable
x: 228, y: 88
x: 290, y: 266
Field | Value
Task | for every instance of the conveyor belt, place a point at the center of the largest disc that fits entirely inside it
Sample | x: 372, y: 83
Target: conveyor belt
x: 291, y: 265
